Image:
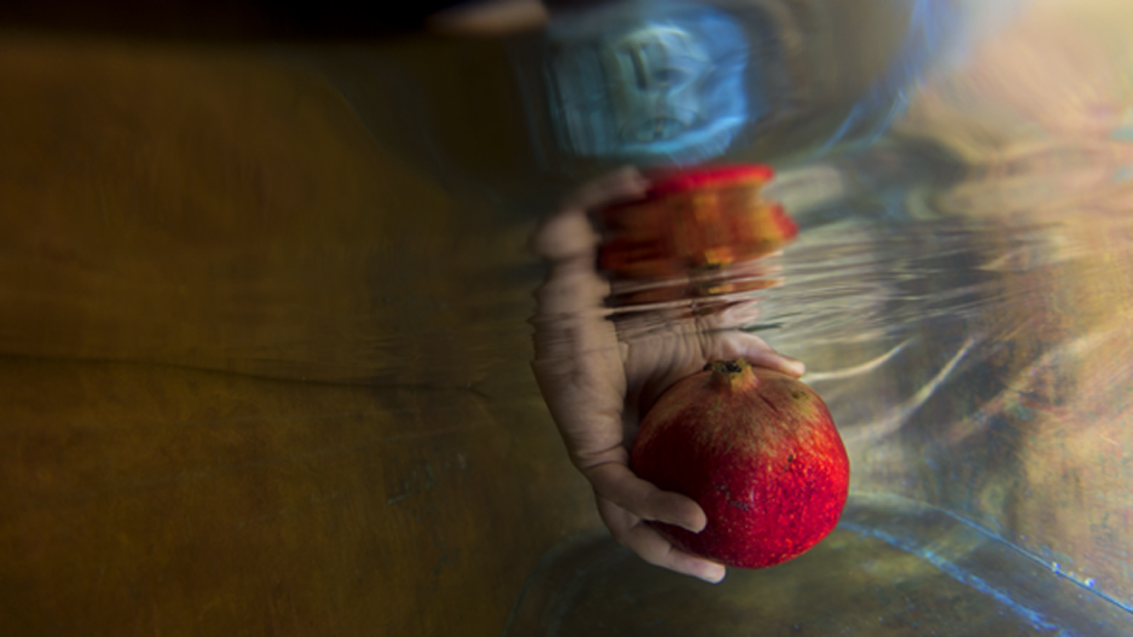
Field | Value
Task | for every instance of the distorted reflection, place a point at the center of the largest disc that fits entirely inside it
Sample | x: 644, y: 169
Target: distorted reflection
x: 641, y: 80
x: 677, y: 83
x: 696, y: 240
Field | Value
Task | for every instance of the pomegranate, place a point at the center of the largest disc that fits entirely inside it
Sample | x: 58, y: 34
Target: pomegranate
x: 758, y: 451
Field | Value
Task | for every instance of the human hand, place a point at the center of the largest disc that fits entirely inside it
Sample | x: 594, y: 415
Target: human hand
x: 599, y: 377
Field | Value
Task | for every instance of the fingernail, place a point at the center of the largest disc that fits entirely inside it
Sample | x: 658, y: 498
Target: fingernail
x: 715, y: 578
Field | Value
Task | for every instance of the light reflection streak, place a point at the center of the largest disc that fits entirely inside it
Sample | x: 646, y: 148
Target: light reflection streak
x: 856, y: 370
x: 900, y: 414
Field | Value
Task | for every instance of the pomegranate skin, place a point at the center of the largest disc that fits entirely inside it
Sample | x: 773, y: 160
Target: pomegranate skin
x: 758, y: 450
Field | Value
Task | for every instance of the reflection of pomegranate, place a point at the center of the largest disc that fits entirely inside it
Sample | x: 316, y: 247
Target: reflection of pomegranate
x: 693, y: 226
x: 760, y: 453
x: 698, y: 219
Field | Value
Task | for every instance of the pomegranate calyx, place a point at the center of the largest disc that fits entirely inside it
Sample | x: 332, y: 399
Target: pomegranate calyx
x: 733, y: 374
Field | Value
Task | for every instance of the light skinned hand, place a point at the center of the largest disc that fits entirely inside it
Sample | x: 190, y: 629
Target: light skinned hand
x: 599, y: 377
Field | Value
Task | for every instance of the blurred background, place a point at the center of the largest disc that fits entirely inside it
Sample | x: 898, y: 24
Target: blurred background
x: 264, y: 295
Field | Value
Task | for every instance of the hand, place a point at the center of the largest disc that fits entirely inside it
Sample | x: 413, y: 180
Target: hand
x: 598, y: 378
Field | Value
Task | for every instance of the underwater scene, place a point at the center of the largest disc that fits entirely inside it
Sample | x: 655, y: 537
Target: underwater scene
x: 327, y: 321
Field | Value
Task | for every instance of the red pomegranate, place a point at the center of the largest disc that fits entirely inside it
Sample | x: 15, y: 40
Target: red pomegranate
x: 758, y: 451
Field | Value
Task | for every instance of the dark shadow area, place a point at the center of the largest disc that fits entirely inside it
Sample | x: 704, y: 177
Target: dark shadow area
x: 217, y: 20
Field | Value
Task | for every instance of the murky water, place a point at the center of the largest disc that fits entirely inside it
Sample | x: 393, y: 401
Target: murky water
x: 264, y: 307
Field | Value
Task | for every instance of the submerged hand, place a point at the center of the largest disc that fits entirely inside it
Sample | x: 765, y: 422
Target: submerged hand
x: 598, y: 380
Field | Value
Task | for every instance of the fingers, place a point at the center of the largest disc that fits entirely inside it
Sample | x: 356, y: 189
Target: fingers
x: 626, y: 502
x: 778, y: 362
x: 733, y: 344
x: 572, y: 292
x: 615, y: 482
x: 633, y: 533
x: 567, y: 233
x: 626, y: 183
x: 564, y: 235
x: 736, y: 344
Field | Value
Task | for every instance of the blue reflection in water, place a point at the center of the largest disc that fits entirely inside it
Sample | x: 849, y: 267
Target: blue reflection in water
x: 927, y: 552
x: 680, y: 83
x: 640, y: 82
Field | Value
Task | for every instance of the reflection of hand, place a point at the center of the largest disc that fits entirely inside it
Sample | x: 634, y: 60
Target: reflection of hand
x: 597, y: 382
